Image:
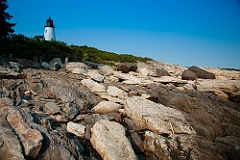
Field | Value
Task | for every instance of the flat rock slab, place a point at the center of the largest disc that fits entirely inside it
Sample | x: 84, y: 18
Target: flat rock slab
x: 116, y: 92
x: 109, y: 139
x: 157, y: 117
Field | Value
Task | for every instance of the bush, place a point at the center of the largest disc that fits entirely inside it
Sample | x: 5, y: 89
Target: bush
x: 20, y: 46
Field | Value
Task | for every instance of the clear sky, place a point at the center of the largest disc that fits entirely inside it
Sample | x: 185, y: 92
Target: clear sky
x: 205, y: 33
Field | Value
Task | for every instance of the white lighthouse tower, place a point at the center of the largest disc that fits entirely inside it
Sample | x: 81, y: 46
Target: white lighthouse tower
x: 49, y: 30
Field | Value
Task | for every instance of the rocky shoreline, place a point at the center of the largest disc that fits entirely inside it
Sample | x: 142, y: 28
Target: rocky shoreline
x: 133, y: 111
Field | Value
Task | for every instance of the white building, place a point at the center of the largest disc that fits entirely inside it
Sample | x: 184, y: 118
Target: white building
x: 49, y: 30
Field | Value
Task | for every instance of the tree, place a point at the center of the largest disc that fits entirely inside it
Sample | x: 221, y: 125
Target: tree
x: 5, y: 27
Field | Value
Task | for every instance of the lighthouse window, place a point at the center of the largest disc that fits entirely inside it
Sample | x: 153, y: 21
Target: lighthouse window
x: 45, y: 31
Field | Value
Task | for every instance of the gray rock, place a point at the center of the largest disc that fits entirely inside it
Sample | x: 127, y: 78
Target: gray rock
x: 72, y: 65
x: 189, y: 75
x: 116, y: 92
x: 8, y: 73
x: 92, y: 64
x: 45, y: 65
x: 92, y: 119
x: 157, y: 117
x: 56, y: 64
x: 93, y: 86
x: 30, y: 138
x: 109, y: 139
x: 76, y: 129
x: 65, y: 154
x: 162, y: 72
x: 52, y: 108
x: 15, y: 66
x: 183, y: 147
x: 143, y: 71
x: 106, y: 107
x: 72, y: 110
x: 235, y: 96
x: 96, y: 76
x: 79, y: 70
x: 137, y: 143
x: 126, y: 67
x: 10, y: 148
x: 25, y: 63
x: 201, y: 73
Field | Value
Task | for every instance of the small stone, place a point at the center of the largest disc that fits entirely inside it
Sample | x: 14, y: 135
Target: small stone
x: 76, y: 129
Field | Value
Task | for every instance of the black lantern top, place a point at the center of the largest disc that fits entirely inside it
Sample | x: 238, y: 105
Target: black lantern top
x: 49, y: 23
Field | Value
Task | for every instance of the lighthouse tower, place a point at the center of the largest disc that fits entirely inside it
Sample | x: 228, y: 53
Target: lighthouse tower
x: 49, y: 30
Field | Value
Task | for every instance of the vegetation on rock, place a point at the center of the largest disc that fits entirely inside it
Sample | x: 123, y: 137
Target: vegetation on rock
x: 20, y: 46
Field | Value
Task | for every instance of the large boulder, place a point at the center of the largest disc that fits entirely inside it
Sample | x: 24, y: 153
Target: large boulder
x: 109, y: 139
x: 157, y: 117
x: 189, y: 75
x: 56, y: 64
x: 182, y: 147
x: 72, y: 65
x: 10, y: 148
x: 126, y: 67
x: 30, y: 138
x: 201, y: 73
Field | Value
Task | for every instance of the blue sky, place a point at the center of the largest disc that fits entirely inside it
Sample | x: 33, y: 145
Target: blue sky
x: 205, y: 33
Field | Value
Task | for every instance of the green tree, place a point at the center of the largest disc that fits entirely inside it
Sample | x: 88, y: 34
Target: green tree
x: 5, y: 27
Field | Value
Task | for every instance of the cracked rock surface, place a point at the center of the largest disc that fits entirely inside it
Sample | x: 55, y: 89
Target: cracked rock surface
x: 86, y: 113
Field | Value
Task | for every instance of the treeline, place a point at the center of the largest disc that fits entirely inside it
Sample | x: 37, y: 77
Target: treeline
x: 20, y: 46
